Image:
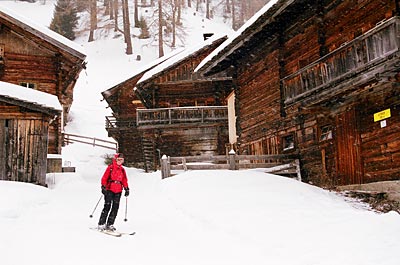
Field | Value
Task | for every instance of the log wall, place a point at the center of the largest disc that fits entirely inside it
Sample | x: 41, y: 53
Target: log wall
x: 23, y: 145
x: 357, y: 150
x: 30, y: 59
x: 193, y: 141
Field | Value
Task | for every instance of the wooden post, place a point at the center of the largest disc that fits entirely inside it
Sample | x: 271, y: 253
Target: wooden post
x: 232, y: 161
x: 297, y: 163
x: 165, y: 169
x: 184, y: 164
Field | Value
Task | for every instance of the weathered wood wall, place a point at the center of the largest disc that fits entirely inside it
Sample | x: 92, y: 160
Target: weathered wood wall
x: 23, y: 145
x: 130, y: 144
x: 381, y: 146
x: 23, y: 62
x: 192, y: 141
x: 28, y: 58
x: 359, y: 150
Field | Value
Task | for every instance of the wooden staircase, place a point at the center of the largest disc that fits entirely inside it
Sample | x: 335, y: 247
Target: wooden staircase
x: 149, y: 154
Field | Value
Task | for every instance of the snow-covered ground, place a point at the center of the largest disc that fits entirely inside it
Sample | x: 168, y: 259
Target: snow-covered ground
x: 196, y: 217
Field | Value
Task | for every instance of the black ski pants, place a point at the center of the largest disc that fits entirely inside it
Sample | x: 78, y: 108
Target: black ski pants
x: 111, y: 201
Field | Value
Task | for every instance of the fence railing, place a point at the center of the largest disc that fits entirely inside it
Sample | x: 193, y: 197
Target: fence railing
x: 201, y: 114
x: 279, y: 164
x: 351, y: 58
x: 74, y: 138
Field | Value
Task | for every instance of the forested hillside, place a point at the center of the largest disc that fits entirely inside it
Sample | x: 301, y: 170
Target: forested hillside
x: 159, y: 21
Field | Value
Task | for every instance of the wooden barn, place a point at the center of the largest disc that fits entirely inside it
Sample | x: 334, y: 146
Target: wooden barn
x: 122, y: 124
x: 321, y: 79
x: 38, y: 58
x: 171, y: 111
x: 25, y: 117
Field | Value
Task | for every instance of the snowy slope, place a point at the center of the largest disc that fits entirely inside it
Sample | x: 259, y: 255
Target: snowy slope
x: 197, y: 217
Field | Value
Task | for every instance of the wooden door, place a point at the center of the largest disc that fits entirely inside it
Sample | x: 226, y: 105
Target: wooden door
x: 348, y: 156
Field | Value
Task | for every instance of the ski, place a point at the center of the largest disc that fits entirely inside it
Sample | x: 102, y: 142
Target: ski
x: 113, y: 233
x: 128, y: 234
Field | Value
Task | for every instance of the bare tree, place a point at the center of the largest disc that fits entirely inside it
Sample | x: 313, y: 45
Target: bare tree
x: 233, y: 9
x: 136, y: 15
x: 160, y: 31
x: 175, y: 4
x: 197, y: 5
x: 115, y: 9
x: 107, y: 6
x: 227, y: 7
x: 93, y: 19
x: 127, y: 26
x: 208, y: 16
x: 181, y: 3
x: 243, y: 12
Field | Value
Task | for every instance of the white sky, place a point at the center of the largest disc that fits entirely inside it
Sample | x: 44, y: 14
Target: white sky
x: 197, y: 218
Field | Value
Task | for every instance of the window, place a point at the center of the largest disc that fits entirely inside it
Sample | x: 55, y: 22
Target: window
x: 325, y: 133
x: 288, y: 142
x: 28, y: 85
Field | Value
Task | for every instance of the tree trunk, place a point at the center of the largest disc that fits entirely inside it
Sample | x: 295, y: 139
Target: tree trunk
x: 208, y: 9
x: 174, y: 9
x: 228, y: 7
x: 243, y: 10
x: 127, y: 27
x: 116, y: 15
x: 189, y: 3
x: 160, y: 30
x: 93, y: 19
x: 107, y: 6
x: 180, y: 4
x: 111, y: 5
x: 136, y: 17
x: 234, y: 26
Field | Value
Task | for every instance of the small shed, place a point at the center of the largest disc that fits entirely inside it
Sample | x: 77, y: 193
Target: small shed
x: 33, y: 56
x: 25, y: 117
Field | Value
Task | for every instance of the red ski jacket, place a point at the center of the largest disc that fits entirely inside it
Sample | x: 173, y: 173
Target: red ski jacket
x: 114, y: 178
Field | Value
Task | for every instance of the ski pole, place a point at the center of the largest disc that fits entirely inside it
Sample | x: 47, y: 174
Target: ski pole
x: 126, y: 209
x: 96, y: 206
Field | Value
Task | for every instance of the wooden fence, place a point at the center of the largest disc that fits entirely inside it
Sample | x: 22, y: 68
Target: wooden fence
x: 74, y: 138
x: 278, y: 164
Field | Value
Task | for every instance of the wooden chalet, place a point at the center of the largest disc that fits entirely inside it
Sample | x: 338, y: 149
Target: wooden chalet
x: 122, y: 124
x: 169, y: 111
x: 25, y: 117
x: 321, y: 79
x: 38, y: 58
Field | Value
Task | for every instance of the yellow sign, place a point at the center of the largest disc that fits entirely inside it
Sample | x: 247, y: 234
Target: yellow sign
x: 384, y: 114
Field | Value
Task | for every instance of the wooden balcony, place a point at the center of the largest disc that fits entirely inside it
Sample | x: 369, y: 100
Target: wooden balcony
x: 360, y: 60
x: 181, y: 115
x: 113, y: 123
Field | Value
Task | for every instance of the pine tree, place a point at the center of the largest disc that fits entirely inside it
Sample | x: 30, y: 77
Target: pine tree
x: 65, y: 18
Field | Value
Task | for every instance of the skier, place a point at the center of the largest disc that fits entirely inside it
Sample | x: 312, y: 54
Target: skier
x: 112, y: 183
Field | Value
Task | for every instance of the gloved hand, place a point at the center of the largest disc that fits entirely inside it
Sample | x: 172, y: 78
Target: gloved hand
x: 103, y: 190
x: 126, y: 192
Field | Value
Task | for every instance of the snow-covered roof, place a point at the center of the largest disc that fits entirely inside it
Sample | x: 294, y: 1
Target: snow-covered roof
x: 42, y: 32
x: 179, y: 57
x: 144, y: 69
x: 24, y: 94
x: 231, y: 39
